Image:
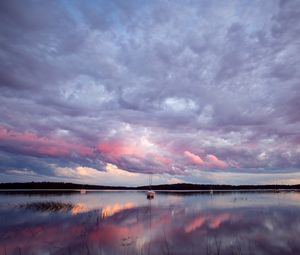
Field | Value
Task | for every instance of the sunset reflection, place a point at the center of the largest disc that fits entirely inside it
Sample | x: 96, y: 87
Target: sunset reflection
x: 78, y: 208
x: 110, y: 210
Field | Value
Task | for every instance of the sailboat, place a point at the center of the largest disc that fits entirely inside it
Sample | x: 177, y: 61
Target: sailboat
x: 150, y: 192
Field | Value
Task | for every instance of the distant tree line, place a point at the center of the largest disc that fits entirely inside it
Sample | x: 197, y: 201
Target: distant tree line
x: 178, y: 186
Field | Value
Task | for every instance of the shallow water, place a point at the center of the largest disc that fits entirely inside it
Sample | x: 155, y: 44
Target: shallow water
x: 121, y: 222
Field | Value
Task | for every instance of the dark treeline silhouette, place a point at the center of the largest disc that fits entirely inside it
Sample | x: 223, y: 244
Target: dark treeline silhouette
x: 178, y: 186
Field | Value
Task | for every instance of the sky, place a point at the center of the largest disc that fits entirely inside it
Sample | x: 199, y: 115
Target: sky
x: 108, y: 92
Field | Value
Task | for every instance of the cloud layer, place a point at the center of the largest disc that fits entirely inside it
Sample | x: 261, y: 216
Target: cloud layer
x: 157, y: 87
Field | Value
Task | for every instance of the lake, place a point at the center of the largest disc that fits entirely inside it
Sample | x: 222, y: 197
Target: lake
x: 125, y: 222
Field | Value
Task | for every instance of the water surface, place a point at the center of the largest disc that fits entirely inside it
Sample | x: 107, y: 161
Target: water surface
x: 125, y: 222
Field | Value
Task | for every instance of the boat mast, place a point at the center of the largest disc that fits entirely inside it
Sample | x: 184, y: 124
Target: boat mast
x: 150, y: 181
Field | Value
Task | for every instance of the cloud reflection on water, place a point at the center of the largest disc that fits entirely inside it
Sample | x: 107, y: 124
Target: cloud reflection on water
x: 129, y: 224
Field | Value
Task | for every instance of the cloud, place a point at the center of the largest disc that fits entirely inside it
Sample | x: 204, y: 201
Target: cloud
x: 152, y: 87
x: 194, y: 158
x: 215, y: 162
x: 211, y: 161
x: 31, y: 144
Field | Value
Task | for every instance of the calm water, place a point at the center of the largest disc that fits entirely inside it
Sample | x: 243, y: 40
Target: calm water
x: 128, y: 223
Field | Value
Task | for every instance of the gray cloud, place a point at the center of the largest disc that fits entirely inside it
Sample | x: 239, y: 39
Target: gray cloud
x: 210, y: 77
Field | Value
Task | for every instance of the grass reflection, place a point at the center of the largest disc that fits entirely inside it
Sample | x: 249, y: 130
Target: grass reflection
x: 49, y: 206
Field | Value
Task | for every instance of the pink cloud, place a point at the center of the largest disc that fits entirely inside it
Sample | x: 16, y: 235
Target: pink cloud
x: 213, y: 161
x: 136, y: 155
x: 117, y: 148
x: 162, y: 160
x: 193, y: 158
x: 131, y: 154
x: 31, y: 143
